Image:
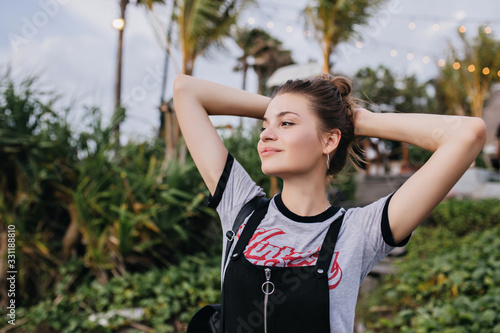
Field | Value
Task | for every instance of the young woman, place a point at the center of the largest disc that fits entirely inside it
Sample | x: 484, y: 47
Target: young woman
x: 274, y: 280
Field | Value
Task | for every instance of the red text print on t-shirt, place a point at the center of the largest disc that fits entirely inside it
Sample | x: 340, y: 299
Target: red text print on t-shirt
x: 261, y: 251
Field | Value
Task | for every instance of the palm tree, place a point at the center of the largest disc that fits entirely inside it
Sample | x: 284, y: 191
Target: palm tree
x: 450, y: 93
x: 269, y: 56
x: 267, y: 52
x: 202, y: 25
x: 245, y: 39
x: 478, y: 68
x: 118, y: 78
x: 333, y: 22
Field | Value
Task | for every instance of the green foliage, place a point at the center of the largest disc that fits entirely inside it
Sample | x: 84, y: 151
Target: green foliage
x: 168, y: 296
x: 448, y: 281
x: 80, y: 196
x: 37, y: 173
x: 203, y: 25
x: 465, y: 216
x: 385, y: 91
x: 463, y: 91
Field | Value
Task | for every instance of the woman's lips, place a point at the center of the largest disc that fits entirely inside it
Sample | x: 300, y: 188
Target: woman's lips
x: 267, y: 152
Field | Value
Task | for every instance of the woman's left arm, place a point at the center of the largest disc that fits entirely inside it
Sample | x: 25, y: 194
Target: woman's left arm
x: 455, y: 141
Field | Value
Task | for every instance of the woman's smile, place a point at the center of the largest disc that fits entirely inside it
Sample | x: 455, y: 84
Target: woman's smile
x: 266, y: 151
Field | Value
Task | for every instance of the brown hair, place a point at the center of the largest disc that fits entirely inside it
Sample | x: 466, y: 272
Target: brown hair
x: 329, y: 99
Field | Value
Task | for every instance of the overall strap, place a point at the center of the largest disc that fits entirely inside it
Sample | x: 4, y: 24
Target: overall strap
x: 247, y: 209
x: 251, y: 226
x: 328, y: 247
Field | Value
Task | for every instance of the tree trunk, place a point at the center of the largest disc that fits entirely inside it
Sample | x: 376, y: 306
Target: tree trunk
x: 72, y: 233
x: 169, y: 138
x: 245, y: 70
x: 326, y: 57
x: 477, y: 104
x: 161, y: 132
x: 118, y: 78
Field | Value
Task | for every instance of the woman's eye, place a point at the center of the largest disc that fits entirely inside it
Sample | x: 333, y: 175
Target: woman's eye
x: 286, y: 123
x: 262, y: 129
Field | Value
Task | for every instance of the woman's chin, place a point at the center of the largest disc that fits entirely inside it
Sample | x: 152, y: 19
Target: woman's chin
x: 270, y: 171
x: 274, y: 171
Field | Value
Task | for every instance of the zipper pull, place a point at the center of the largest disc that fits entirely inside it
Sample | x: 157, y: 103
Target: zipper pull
x: 268, y: 284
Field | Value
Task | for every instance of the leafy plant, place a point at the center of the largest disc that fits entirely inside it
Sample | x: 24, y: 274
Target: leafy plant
x: 448, y: 281
x: 76, y: 195
x: 168, y: 298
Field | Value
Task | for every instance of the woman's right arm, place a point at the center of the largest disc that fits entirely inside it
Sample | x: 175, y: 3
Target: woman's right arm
x: 195, y: 99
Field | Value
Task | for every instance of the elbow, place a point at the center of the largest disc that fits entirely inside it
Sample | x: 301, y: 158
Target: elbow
x: 476, y: 130
x: 180, y: 84
x: 479, y: 131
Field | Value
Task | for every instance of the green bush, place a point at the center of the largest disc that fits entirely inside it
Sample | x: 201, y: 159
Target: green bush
x: 464, y: 216
x: 78, y: 196
x: 448, y: 281
x: 168, y: 296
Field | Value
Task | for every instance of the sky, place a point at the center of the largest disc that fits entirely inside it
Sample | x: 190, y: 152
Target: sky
x: 72, y: 46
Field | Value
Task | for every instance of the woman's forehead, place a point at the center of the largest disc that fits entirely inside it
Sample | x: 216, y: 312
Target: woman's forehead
x: 290, y: 104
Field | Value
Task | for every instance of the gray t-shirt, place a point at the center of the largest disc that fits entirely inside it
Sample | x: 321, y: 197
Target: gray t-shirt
x: 285, y: 239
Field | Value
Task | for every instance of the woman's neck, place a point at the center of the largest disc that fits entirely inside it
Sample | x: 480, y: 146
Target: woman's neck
x: 305, y: 196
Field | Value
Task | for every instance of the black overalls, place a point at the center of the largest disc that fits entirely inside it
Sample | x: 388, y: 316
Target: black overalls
x: 260, y: 299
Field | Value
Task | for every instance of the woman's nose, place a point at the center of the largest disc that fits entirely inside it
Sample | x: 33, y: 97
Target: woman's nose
x: 267, y: 134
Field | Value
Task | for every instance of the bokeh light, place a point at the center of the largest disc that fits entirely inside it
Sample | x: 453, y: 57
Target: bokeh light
x: 118, y: 23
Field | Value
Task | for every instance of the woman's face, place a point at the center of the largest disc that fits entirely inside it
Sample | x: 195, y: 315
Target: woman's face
x: 289, y: 144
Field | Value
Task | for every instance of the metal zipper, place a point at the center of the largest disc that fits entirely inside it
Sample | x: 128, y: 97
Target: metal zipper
x: 265, y: 289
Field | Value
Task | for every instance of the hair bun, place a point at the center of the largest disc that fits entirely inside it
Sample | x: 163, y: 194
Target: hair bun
x: 343, y: 84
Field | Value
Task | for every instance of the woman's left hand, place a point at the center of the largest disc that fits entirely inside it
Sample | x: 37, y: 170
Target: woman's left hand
x: 359, y: 116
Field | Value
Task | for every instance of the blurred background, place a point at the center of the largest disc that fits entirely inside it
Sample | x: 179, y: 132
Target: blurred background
x: 111, y: 226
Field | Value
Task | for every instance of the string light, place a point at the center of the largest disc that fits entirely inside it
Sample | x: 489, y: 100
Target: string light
x: 498, y: 73
x: 434, y: 23
x: 118, y: 23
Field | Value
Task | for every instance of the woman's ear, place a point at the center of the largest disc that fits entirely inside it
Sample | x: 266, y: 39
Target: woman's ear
x: 332, y: 140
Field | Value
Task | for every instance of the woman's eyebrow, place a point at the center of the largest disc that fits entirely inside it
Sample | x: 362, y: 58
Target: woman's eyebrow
x: 281, y: 114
